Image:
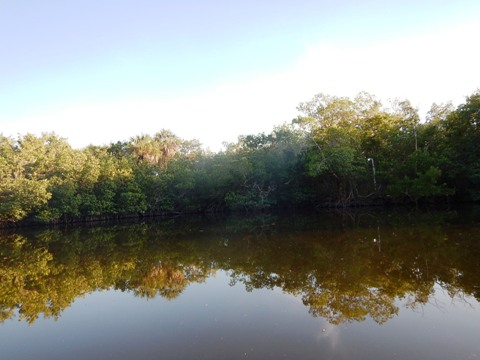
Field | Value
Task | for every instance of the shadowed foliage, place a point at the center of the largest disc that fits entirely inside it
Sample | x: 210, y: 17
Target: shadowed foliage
x: 339, y: 152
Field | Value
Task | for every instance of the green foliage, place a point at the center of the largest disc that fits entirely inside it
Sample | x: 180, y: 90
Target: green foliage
x: 24, y: 180
x: 19, y: 197
x: 462, y: 139
x: 337, y: 152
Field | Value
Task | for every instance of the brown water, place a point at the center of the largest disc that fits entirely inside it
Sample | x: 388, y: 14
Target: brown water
x: 363, y: 285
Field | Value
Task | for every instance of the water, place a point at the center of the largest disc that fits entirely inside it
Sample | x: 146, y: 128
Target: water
x: 363, y: 285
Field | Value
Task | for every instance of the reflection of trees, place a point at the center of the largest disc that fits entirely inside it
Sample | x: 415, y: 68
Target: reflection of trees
x: 338, y: 307
x: 343, y: 271
x: 346, y: 272
x: 44, y: 275
x: 167, y: 280
x: 21, y: 265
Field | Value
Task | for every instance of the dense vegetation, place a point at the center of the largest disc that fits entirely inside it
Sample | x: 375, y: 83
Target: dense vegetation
x: 337, y: 152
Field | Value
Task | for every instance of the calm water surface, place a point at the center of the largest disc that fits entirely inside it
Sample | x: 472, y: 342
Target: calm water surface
x: 363, y: 285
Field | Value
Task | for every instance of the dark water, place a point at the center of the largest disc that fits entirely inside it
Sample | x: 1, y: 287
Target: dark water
x: 362, y: 285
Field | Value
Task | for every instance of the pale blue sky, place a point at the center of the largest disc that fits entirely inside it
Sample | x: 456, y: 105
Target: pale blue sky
x: 98, y: 71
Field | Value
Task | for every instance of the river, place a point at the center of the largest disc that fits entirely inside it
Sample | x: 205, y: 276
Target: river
x: 367, y: 284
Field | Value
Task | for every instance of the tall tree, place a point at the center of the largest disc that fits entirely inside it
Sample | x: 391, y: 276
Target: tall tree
x: 462, y: 128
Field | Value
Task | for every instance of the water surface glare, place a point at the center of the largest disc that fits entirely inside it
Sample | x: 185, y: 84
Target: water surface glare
x: 357, y: 285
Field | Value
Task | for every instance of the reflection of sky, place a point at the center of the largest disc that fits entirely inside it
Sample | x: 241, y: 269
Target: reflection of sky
x: 217, y: 321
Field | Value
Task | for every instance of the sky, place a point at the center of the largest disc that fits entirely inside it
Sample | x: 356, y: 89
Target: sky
x: 101, y: 71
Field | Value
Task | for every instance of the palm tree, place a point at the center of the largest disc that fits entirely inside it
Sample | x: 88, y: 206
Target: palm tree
x: 158, y: 150
x: 143, y: 147
x: 168, y: 144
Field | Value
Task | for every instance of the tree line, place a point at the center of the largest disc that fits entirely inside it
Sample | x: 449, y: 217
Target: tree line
x: 338, y: 151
